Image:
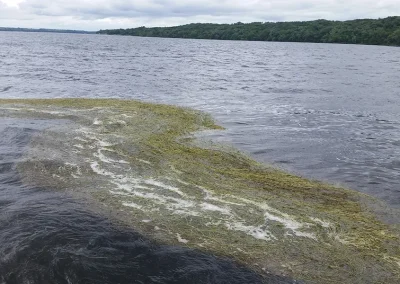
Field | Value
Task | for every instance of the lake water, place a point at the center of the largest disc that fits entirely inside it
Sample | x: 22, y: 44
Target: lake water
x: 48, y: 237
x: 324, y: 111
x: 328, y: 112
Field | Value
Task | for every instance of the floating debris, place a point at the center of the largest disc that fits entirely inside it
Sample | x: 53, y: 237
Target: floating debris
x: 128, y: 159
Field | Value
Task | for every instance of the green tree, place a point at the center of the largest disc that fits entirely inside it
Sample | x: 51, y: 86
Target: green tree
x: 381, y: 31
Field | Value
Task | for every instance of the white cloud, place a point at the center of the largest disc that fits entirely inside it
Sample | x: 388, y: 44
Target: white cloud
x: 97, y: 14
x: 12, y: 3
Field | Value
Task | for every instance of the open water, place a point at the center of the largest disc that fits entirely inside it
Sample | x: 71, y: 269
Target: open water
x: 324, y: 111
x: 329, y: 112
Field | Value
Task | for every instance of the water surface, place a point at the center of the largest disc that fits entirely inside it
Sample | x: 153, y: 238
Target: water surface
x: 324, y: 111
x: 49, y: 237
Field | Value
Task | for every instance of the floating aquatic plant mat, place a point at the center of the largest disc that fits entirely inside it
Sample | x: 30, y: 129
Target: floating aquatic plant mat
x: 141, y: 164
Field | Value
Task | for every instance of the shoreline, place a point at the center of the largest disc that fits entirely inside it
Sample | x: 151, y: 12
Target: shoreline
x: 359, y: 31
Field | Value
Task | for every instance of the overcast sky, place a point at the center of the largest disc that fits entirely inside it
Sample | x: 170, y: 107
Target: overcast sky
x: 101, y: 14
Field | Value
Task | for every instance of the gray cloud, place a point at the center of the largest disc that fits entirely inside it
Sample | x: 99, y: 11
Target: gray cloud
x: 133, y: 8
x: 96, y: 14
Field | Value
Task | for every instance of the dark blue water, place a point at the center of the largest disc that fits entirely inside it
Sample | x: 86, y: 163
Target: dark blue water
x: 324, y: 111
x: 48, y: 237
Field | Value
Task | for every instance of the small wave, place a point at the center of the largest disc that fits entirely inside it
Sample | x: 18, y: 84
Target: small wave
x: 6, y: 89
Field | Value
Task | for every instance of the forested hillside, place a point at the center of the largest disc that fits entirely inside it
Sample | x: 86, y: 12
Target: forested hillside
x: 367, y: 31
x: 5, y: 29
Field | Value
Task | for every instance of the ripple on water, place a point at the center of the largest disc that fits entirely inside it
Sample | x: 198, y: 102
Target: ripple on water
x: 200, y: 197
x: 48, y: 237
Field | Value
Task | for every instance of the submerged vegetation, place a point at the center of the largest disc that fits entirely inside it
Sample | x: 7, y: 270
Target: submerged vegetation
x: 141, y: 165
x: 366, y: 31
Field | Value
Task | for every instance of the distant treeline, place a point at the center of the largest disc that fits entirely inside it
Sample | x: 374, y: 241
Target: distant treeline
x: 367, y: 31
x: 43, y: 30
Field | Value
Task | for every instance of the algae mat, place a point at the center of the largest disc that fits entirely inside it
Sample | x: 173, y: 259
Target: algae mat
x: 141, y: 165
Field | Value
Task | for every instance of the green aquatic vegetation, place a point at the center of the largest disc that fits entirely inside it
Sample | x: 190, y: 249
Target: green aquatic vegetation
x: 142, y: 166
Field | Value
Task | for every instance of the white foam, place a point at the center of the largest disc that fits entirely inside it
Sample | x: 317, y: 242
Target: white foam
x: 212, y: 207
x: 96, y: 121
x: 96, y: 169
x: 180, y: 239
x: 155, y: 194
x: 118, y: 193
x: 127, y: 186
x: 132, y: 205
x: 94, y: 136
x: 180, y: 181
x: 103, y: 143
x: 108, y: 160
x: 11, y: 108
x: 119, y: 121
x: 79, y: 146
x: 289, y: 224
x: 127, y: 116
x: 170, y: 202
x: 144, y: 161
x: 81, y: 139
x: 54, y: 112
x: 321, y: 222
x: 257, y: 232
x: 165, y: 186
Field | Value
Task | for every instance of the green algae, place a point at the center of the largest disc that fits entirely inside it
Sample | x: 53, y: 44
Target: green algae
x: 302, y: 228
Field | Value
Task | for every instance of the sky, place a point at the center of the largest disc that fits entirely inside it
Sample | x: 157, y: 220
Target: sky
x: 93, y: 15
